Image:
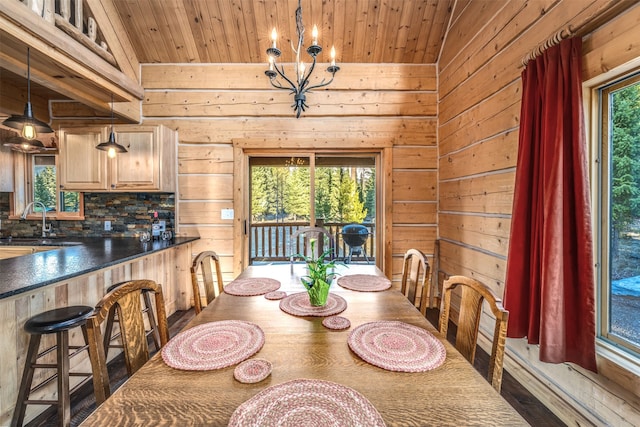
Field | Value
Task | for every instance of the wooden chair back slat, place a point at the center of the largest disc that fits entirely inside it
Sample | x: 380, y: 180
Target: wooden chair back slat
x: 126, y: 299
x: 132, y: 330
x: 473, y: 293
x: 202, y: 270
x: 325, y: 239
x: 415, y: 276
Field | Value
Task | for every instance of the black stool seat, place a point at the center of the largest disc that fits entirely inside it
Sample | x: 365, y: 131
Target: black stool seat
x: 59, y: 319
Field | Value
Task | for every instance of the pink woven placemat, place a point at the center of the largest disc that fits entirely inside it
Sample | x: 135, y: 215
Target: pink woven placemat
x: 305, y: 402
x: 252, y: 370
x: 213, y: 345
x: 364, y: 282
x: 397, y: 346
x: 251, y: 286
x: 275, y: 295
x: 298, y: 305
x: 336, y: 322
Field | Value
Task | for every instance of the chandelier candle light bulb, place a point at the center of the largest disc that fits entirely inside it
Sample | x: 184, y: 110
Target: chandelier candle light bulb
x: 301, y: 68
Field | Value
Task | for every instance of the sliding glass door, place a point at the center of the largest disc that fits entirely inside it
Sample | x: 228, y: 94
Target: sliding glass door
x: 319, y: 189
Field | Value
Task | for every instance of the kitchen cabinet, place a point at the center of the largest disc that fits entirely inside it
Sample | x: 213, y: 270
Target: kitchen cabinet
x: 6, y: 169
x: 148, y: 165
x: 82, y: 167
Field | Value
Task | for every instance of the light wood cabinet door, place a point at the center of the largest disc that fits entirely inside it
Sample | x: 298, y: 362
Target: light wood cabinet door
x: 6, y: 169
x: 149, y: 164
x: 82, y: 166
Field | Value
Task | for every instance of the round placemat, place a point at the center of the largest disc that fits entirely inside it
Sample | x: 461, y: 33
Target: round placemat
x: 305, y: 402
x: 397, y: 346
x: 252, y: 371
x: 251, y: 286
x: 213, y: 345
x: 336, y: 322
x: 275, y: 295
x: 364, y: 282
x: 298, y: 305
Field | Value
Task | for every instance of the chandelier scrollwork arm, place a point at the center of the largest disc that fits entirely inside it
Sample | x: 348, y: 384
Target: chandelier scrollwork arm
x: 298, y: 86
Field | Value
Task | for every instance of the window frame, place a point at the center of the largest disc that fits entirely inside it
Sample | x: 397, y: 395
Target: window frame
x: 609, y: 344
x: 24, y: 191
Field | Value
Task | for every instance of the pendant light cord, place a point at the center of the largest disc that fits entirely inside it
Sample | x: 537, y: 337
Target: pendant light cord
x: 29, y: 75
x: 111, y: 112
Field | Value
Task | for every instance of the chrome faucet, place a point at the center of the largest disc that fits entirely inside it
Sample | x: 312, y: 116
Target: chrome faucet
x: 45, y: 228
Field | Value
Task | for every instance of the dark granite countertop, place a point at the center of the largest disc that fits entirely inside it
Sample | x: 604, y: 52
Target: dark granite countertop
x: 75, y: 257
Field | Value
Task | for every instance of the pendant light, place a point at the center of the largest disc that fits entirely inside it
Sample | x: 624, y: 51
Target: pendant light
x: 28, y: 125
x: 111, y: 146
x: 23, y: 145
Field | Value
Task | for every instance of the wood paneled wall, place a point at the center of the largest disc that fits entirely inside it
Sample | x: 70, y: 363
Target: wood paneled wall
x: 479, y: 108
x: 366, y: 107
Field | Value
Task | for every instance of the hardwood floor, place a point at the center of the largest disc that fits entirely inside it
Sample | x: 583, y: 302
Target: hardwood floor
x: 536, y: 414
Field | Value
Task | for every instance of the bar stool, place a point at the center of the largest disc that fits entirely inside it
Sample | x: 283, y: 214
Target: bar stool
x: 58, y: 321
x: 109, y: 336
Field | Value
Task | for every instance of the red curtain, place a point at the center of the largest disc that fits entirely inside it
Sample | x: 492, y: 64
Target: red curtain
x: 549, y: 283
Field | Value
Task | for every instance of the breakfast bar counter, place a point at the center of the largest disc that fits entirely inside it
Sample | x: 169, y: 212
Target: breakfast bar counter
x: 77, y: 272
x: 70, y: 258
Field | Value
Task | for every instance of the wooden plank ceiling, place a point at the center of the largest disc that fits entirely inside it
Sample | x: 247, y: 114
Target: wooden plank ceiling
x: 238, y: 31
x: 206, y: 31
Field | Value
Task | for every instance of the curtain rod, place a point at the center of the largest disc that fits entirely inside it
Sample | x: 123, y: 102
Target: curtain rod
x: 552, y: 41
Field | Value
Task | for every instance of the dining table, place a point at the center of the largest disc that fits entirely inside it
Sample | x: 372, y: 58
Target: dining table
x: 299, y: 349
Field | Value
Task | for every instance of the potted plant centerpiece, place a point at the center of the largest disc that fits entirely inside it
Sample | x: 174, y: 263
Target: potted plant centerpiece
x: 320, y: 275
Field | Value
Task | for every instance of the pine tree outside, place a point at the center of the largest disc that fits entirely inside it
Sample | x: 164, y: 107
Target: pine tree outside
x: 45, y: 187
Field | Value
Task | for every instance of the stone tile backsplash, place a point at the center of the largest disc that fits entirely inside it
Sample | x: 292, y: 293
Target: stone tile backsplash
x: 129, y: 213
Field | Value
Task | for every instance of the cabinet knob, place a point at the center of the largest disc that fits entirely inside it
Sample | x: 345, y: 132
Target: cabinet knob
x: 61, y: 186
x: 113, y: 186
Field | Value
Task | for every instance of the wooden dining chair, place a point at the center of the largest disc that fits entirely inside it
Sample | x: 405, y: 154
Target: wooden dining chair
x: 415, y: 279
x: 325, y: 240
x: 128, y: 304
x: 472, y: 294
x: 202, y: 270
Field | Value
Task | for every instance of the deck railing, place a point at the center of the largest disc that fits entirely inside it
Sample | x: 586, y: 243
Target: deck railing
x: 271, y: 241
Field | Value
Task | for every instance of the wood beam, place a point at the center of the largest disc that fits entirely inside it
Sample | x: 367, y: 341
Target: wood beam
x: 18, y: 25
x: 92, y: 96
x: 114, y: 33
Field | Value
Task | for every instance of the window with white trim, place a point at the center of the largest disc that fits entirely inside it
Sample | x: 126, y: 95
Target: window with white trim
x: 618, y: 204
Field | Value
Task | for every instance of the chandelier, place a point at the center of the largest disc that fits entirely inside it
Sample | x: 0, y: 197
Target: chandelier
x: 298, y: 85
